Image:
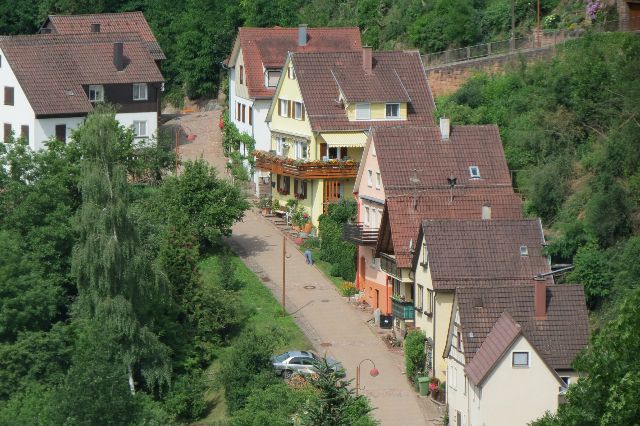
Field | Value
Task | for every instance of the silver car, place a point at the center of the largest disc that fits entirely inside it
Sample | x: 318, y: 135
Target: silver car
x: 300, y: 362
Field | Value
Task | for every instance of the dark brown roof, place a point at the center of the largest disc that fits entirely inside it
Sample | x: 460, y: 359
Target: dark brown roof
x: 268, y: 48
x: 396, y: 75
x: 470, y: 250
x: 401, y: 220
x: 400, y: 150
x: 118, y: 23
x: 558, y: 338
x: 52, y: 69
x: 502, y: 335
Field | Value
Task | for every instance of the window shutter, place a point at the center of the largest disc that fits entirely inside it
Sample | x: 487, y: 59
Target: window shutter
x: 279, y: 107
x: 24, y: 132
x: 250, y: 116
x: 295, y: 186
x: 323, y: 150
x: 244, y: 109
x: 343, y: 152
x: 302, y: 108
x: 304, y: 190
x: 7, y: 132
x: 289, y: 109
x: 8, y: 95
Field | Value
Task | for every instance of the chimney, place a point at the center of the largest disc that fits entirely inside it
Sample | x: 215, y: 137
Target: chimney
x: 367, y: 60
x: 445, y: 128
x: 540, y: 298
x: 302, y: 35
x: 95, y: 28
x: 118, y: 55
x: 486, y: 212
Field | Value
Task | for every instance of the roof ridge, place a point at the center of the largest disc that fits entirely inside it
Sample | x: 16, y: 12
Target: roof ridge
x: 97, y: 14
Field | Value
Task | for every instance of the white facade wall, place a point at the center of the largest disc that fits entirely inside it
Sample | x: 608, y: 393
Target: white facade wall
x: 20, y: 113
x: 127, y: 119
x: 45, y: 129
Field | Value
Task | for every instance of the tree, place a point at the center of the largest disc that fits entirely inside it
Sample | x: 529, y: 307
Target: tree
x: 115, y: 283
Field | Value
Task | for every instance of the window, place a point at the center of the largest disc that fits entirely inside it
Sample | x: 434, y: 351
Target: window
x: 419, y: 296
x: 271, y: 77
x: 363, y: 111
x: 250, y: 116
x: 8, y: 95
x: 96, y: 93
x: 451, y: 377
x: 140, y: 129
x: 283, y: 108
x: 366, y: 215
x: 425, y: 258
x: 374, y: 218
x: 238, y: 111
x: 369, y: 178
x: 284, y: 185
x: 291, y: 73
x: 392, y: 111
x: 140, y: 92
x: 458, y: 341
x: 244, y: 110
x: 7, y: 132
x: 520, y: 359
x: 302, y: 150
x: 474, y: 171
x: 61, y: 132
x: 241, y: 74
x: 566, y: 380
x: 428, y: 307
x: 396, y: 287
x: 337, y: 153
x: 280, y: 145
x: 300, y: 189
x: 298, y: 111
x: 524, y: 250
x: 378, y: 181
x: 24, y: 132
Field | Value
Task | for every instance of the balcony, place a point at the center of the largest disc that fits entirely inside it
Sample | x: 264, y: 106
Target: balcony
x: 388, y: 265
x: 360, y: 235
x: 402, y: 310
x: 331, y: 169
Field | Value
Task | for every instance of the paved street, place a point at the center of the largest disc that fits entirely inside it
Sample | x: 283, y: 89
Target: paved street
x: 332, y: 325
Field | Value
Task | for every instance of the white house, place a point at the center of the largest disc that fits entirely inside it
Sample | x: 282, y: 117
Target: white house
x: 255, y: 66
x: 510, y: 350
x: 50, y: 82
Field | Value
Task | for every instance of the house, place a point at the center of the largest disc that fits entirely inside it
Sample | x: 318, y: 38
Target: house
x: 50, y: 83
x: 510, y: 350
x: 255, y: 66
x: 109, y: 23
x: 462, y: 166
x: 321, y: 114
x: 454, y: 254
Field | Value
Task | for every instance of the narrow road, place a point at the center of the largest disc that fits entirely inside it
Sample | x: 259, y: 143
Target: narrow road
x: 332, y: 325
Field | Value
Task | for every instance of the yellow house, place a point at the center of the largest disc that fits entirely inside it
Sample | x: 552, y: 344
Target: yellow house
x: 454, y: 254
x: 510, y: 350
x: 319, y: 119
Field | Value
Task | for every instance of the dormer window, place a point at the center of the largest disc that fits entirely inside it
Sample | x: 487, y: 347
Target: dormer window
x: 271, y: 77
x: 96, y: 93
x: 392, y: 111
x: 474, y: 171
x: 363, y: 111
x: 524, y: 250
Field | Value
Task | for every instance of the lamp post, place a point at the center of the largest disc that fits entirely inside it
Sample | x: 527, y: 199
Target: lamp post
x: 373, y: 372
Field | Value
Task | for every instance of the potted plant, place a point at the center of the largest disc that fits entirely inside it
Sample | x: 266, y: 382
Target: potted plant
x: 275, y: 205
x: 265, y: 205
x: 434, y: 387
x: 307, y: 225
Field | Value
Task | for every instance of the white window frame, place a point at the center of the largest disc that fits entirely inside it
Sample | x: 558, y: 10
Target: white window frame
x: 378, y: 180
x: 386, y: 111
x: 524, y: 250
x: 302, y: 147
x: 96, y: 93
x: 137, y: 128
x: 419, y: 296
x: 280, y: 141
x: 363, y: 111
x: 474, y: 172
x: 291, y: 72
x: 374, y: 218
x: 513, y: 359
x: 139, y: 96
x: 366, y: 215
x: 297, y: 110
x: 284, y: 107
x: 267, y: 78
x: 369, y: 178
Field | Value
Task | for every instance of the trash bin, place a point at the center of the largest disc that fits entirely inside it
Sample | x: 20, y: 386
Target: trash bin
x: 386, y: 321
x: 423, y: 384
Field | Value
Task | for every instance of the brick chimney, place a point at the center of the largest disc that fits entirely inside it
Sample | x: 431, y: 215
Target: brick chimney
x: 367, y: 60
x: 302, y: 35
x: 118, y: 55
x: 540, y: 298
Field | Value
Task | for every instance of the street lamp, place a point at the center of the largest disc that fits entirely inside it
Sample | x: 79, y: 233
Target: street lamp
x: 373, y: 372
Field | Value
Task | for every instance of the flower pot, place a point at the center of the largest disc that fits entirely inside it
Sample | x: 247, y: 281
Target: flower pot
x: 266, y: 211
x: 307, y: 227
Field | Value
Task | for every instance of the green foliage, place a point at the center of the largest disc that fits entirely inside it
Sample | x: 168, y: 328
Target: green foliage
x: 593, y: 271
x: 273, y: 405
x: 186, y: 397
x: 336, y: 403
x: 333, y: 249
x: 415, y: 357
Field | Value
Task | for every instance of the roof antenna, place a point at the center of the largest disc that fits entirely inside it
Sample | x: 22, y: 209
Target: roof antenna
x: 452, y: 183
x: 414, y: 180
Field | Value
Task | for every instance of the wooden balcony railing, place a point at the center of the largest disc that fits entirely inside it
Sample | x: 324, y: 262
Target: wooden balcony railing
x: 331, y: 169
x: 360, y: 235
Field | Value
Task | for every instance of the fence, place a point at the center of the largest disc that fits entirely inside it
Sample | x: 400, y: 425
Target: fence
x: 536, y: 40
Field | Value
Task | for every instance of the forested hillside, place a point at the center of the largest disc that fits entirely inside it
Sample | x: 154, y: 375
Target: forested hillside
x: 197, y: 35
x: 571, y: 131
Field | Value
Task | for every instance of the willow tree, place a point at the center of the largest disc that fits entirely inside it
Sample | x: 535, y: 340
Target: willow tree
x: 117, y: 285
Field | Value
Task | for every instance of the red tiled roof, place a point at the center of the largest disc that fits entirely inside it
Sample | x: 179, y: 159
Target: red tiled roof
x: 404, y: 219
x: 558, y: 338
x: 400, y: 150
x: 52, y: 69
x: 396, y: 75
x: 268, y: 48
x: 125, y: 22
x: 470, y: 250
x: 502, y: 335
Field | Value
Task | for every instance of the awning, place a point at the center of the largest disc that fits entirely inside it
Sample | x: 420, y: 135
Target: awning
x: 345, y: 140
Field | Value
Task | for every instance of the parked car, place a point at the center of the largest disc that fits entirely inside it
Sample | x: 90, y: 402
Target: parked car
x: 300, y: 362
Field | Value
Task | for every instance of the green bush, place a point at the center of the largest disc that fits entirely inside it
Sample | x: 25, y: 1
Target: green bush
x: 185, y: 400
x: 333, y: 249
x: 415, y: 357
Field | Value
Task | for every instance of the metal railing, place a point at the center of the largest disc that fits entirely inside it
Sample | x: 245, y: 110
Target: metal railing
x: 535, y: 40
x: 359, y: 234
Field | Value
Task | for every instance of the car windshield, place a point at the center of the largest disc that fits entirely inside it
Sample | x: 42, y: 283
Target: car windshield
x: 282, y: 357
